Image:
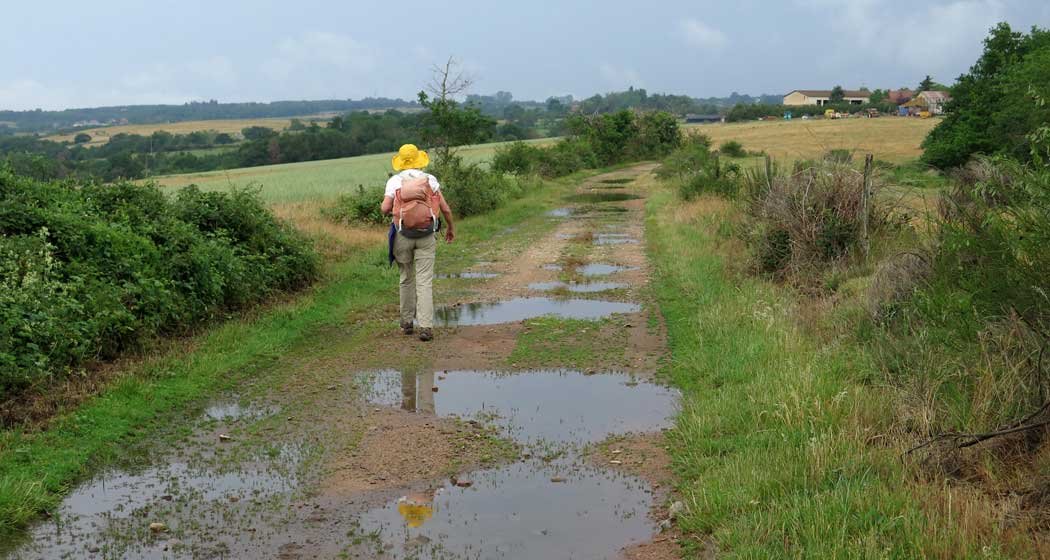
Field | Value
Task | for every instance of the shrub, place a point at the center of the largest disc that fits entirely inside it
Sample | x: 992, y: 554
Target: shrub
x: 518, y: 158
x: 470, y: 189
x: 732, y: 148
x: 88, y: 271
x: 802, y: 222
x: 358, y: 206
x: 695, y: 170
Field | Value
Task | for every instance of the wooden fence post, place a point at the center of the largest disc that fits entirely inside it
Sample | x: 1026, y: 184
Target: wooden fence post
x: 865, y: 203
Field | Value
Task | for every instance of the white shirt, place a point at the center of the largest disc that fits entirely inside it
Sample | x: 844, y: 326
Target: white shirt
x: 395, y: 182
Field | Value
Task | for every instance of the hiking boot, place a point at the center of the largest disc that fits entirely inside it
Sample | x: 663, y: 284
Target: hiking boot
x: 406, y: 328
x: 426, y: 335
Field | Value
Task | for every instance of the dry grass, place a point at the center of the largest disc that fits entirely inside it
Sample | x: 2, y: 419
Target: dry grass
x: 331, y: 239
x: 892, y: 139
x: 101, y: 135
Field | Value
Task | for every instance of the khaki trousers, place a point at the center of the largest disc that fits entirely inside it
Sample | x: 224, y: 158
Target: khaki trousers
x: 415, y: 258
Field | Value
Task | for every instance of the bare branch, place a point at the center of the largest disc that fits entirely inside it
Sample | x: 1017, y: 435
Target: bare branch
x: 448, y: 80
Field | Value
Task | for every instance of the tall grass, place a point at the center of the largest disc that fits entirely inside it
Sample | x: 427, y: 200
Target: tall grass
x: 778, y: 442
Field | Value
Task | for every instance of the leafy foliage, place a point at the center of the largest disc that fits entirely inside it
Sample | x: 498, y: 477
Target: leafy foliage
x: 992, y: 109
x: 87, y: 271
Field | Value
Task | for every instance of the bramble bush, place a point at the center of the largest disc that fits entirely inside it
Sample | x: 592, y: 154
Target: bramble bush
x: 88, y: 271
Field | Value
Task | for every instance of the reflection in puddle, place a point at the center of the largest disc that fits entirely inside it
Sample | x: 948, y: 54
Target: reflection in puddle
x: 613, y: 239
x: 560, y: 213
x: 466, y: 275
x: 557, y: 406
x: 584, y: 288
x: 518, y: 309
x: 593, y: 269
x: 552, y: 506
x: 518, y: 512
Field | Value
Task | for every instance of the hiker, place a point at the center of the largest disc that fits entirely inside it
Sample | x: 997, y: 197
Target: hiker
x: 413, y: 198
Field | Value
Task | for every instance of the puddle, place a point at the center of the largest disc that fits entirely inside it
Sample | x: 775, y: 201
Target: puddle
x: 560, y: 213
x: 517, y: 512
x: 558, y: 406
x: 466, y: 275
x: 613, y: 239
x: 580, y: 288
x: 235, y: 411
x: 617, y: 181
x: 111, y: 513
x: 519, y: 309
x: 554, y: 505
x: 594, y: 197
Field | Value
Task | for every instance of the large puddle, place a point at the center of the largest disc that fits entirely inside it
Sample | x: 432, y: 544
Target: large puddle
x: 519, y: 309
x: 580, y: 288
x: 550, y: 504
x: 559, y: 406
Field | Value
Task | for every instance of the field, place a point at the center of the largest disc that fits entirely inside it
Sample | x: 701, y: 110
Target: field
x: 891, y: 139
x: 101, y: 135
x: 311, y: 180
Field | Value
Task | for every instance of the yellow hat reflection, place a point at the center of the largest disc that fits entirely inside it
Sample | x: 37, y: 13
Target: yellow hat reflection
x: 417, y: 509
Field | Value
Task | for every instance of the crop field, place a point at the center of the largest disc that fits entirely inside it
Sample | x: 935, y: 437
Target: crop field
x: 312, y: 180
x: 893, y: 139
x: 101, y: 135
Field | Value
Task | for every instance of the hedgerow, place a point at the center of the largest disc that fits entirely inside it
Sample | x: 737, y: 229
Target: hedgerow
x: 88, y: 271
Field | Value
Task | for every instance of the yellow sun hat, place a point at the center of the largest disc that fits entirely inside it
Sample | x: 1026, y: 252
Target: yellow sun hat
x: 410, y: 157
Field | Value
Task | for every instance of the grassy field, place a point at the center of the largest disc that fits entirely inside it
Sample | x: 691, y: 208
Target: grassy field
x: 891, y: 139
x: 312, y: 180
x: 101, y: 135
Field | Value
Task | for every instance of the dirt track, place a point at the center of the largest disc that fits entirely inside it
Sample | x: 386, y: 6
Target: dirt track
x: 480, y: 444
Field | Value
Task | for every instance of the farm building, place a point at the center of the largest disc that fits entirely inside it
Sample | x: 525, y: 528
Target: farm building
x: 823, y: 97
x: 705, y: 119
x: 930, y: 101
x: 899, y: 96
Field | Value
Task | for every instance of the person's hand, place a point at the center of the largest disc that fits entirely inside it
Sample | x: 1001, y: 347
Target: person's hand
x: 450, y: 235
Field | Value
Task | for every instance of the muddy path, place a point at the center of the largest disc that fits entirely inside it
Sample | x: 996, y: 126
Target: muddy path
x: 530, y: 428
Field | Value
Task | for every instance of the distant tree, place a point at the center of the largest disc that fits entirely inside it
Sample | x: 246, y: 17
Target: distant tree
x: 296, y: 124
x: 838, y: 95
x: 82, y: 138
x: 878, y: 96
x: 223, y: 139
x: 993, y: 109
x: 926, y: 84
x: 258, y: 133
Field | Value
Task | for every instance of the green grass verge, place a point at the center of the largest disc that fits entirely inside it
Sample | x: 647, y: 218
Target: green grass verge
x: 37, y: 469
x: 772, y: 446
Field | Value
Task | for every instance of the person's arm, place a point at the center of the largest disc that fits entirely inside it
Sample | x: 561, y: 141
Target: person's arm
x: 387, y: 207
x: 446, y: 212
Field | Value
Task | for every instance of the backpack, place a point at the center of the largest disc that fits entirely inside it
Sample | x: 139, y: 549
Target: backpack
x: 416, y: 206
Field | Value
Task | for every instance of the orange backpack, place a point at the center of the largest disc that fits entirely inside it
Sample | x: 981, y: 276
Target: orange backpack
x: 416, y: 205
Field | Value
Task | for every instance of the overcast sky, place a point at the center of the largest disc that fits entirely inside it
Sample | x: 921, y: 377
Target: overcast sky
x: 61, y: 53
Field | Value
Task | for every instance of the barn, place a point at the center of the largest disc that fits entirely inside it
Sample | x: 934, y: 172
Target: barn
x: 823, y: 97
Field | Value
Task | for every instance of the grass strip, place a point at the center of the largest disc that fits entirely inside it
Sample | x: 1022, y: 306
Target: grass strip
x: 773, y: 445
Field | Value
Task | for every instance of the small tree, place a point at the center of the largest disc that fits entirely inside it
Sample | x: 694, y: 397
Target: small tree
x: 448, y: 125
x: 838, y: 95
x: 82, y: 138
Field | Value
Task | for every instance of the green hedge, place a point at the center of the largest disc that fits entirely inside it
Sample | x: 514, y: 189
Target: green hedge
x: 88, y: 271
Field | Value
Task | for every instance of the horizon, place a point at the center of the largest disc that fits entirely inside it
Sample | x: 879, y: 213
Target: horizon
x: 327, y: 50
